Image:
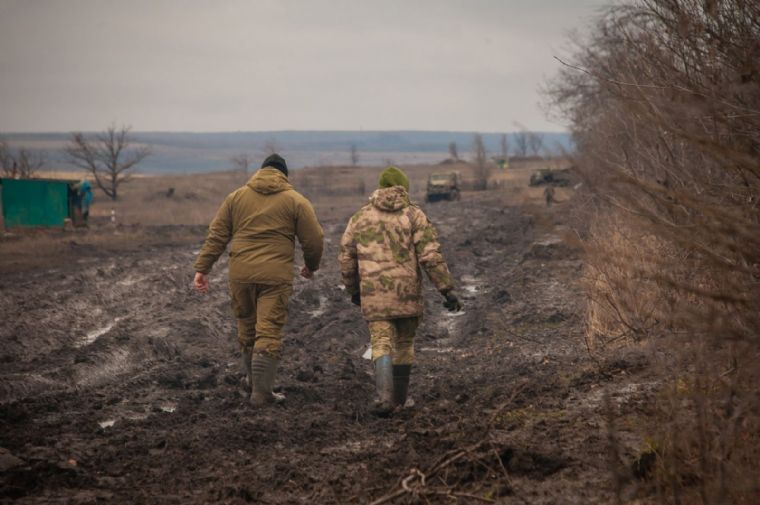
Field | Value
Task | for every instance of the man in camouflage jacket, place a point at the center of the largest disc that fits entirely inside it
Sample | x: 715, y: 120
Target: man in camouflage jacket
x: 381, y: 252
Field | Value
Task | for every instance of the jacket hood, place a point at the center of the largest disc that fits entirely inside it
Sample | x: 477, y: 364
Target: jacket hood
x: 390, y: 199
x: 269, y: 180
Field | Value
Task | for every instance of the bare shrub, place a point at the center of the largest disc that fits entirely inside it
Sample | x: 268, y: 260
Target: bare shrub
x: 108, y: 157
x: 23, y: 164
x: 271, y: 146
x: 665, y: 106
x: 482, y: 170
x: 536, y: 143
x: 521, y: 144
x: 453, y: 153
x: 504, y: 147
x: 242, y: 163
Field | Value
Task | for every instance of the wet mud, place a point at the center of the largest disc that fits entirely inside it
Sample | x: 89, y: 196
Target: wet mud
x: 119, y: 384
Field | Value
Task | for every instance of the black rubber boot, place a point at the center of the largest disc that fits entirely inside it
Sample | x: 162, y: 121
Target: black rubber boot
x: 401, y: 374
x: 246, y: 353
x: 263, y: 369
x: 383, y: 406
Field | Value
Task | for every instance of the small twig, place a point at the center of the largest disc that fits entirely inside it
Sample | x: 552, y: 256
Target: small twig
x: 501, y: 408
x: 389, y: 497
x: 414, y: 473
x: 419, y: 490
x: 518, y: 336
x: 461, y: 495
x: 458, y: 454
x: 501, y: 464
x: 612, y: 81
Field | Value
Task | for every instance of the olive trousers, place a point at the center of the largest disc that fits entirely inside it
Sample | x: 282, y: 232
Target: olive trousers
x: 261, y: 311
x: 394, y: 337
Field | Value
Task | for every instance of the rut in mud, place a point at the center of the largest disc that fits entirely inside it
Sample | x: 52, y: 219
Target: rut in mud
x: 120, y: 384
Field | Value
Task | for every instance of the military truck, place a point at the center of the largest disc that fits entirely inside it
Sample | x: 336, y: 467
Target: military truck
x: 443, y: 186
x: 549, y: 176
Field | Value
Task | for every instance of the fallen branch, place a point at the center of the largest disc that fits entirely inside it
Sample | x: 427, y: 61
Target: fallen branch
x: 415, y: 484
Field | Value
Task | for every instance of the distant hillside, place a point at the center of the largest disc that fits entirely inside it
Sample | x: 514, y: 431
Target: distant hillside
x: 180, y: 152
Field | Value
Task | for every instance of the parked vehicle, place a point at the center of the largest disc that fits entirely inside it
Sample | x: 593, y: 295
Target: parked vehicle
x: 443, y: 186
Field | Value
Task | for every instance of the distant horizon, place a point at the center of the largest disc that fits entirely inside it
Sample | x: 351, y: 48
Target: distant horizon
x: 184, y: 151
x: 293, y: 130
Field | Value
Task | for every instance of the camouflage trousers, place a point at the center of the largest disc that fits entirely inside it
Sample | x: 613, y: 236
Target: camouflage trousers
x: 261, y: 311
x: 394, y: 337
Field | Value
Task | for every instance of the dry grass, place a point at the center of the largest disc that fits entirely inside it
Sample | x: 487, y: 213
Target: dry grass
x: 148, y: 214
x: 336, y: 192
x: 147, y: 201
x: 626, y: 304
x: 704, y: 427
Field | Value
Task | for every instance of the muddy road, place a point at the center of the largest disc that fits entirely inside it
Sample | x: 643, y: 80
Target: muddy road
x: 119, y: 384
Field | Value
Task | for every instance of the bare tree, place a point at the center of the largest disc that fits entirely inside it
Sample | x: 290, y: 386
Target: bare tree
x: 481, y: 162
x: 29, y: 163
x: 504, y: 147
x: 535, y: 142
x: 6, y: 160
x: 354, y: 155
x: 241, y: 162
x: 271, y: 146
x: 521, y: 143
x: 107, y: 157
x: 23, y: 165
x: 453, y: 151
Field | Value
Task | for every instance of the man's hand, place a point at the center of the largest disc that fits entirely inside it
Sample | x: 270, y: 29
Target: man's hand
x: 452, y: 302
x: 356, y: 299
x: 306, y: 273
x: 200, y: 283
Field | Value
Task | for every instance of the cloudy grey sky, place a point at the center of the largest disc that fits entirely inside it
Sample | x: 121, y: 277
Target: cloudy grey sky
x: 252, y: 65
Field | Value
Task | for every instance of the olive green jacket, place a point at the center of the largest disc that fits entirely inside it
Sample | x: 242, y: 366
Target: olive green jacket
x: 260, y: 221
x: 381, y: 251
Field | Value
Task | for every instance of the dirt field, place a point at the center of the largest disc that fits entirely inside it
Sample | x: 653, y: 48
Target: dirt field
x: 120, y: 384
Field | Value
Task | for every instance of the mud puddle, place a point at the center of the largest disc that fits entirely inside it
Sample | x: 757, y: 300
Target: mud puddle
x: 93, y: 335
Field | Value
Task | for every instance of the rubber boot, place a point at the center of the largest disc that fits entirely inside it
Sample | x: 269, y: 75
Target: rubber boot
x: 246, y: 353
x: 401, y: 375
x: 263, y: 369
x: 383, y: 406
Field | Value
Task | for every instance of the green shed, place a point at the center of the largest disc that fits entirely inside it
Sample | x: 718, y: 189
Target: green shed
x: 35, y: 202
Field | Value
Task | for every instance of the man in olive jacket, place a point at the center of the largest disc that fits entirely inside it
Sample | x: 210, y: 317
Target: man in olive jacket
x: 381, y: 252
x: 260, y: 221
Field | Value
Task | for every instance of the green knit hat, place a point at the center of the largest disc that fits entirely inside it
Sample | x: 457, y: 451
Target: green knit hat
x: 393, y: 176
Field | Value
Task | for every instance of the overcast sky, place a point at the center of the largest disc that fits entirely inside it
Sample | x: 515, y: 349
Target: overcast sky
x: 252, y: 65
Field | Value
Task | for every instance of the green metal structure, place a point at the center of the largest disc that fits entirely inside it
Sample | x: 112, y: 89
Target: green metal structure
x: 35, y: 202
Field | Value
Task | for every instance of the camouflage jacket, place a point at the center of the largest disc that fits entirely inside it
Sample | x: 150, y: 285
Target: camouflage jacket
x: 381, y: 252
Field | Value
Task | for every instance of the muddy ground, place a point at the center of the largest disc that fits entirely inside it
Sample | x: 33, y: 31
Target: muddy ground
x: 120, y: 384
